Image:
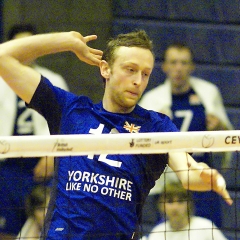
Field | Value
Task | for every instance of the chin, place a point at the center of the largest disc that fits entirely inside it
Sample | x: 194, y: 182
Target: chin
x: 131, y: 104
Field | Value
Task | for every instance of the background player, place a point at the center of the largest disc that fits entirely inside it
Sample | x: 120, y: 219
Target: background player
x: 19, y: 176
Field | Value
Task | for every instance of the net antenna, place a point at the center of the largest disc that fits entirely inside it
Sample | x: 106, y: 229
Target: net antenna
x: 127, y: 143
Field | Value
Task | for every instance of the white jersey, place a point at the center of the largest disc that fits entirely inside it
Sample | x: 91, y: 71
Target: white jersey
x: 200, y: 229
x: 8, y: 105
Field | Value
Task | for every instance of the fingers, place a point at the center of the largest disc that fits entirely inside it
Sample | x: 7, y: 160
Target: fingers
x: 85, y: 53
x: 96, y: 52
x: 90, y: 38
x: 224, y: 193
x: 221, y: 189
x: 91, y: 56
x: 221, y: 184
x: 217, y: 182
x: 94, y: 57
x: 93, y: 60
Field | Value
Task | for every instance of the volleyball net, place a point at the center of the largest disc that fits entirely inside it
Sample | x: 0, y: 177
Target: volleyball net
x: 142, y: 143
x: 213, y: 143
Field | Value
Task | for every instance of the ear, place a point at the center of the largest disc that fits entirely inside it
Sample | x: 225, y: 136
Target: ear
x: 105, y: 69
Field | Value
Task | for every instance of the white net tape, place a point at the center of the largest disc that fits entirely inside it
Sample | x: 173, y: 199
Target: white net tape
x: 142, y: 143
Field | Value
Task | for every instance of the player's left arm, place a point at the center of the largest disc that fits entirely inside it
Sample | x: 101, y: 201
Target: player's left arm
x: 16, y: 53
x: 198, y: 176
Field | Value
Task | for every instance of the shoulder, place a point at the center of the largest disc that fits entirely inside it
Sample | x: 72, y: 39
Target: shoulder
x: 156, y: 90
x: 158, y: 122
x: 196, y: 221
x: 55, y: 78
x: 159, y: 227
x: 69, y: 97
x: 150, y: 114
x: 153, y: 93
x: 202, y: 83
x: 158, y: 98
x: 158, y: 230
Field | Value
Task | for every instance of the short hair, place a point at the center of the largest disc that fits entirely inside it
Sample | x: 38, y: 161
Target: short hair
x: 180, y: 46
x: 36, y: 199
x: 20, y: 28
x: 137, y: 38
x: 175, y: 190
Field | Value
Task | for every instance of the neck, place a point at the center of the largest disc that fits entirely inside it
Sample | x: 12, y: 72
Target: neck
x: 178, y: 225
x: 180, y: 89
x: 109, y: 106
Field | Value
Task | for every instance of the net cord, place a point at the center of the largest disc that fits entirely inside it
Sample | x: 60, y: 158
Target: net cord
x: 127, y: 143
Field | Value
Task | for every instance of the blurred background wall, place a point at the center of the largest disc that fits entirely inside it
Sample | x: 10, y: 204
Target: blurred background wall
x: 210, y: 27
x: 85, y: 16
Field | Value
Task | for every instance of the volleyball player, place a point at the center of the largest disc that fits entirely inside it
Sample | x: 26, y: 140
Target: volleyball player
x: 176, y: 204
x: 193, y: 104
x: 18, y: 120
x: 100, y: 197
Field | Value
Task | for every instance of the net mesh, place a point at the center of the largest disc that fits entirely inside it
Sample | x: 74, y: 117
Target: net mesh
x: 223, y: 150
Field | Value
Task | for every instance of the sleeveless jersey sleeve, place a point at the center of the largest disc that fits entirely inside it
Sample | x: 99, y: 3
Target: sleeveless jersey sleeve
x: 46, y: 101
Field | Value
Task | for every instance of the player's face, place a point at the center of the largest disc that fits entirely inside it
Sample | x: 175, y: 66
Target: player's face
x: 176, y: 210
x: 178, y: 66
x: 128, y: 78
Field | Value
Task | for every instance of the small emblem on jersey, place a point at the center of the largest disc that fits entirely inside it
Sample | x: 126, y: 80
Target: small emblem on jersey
x: 131, y: 127
x: 194, y: 99
x: 59, y: 229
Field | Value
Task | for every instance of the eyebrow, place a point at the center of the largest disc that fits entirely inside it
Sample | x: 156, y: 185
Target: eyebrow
x: 131, y: 63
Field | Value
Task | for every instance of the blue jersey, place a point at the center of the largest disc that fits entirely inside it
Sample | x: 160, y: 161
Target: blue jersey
x: 188, y: 112
x: 189, y: 115
x: 16, y: 177
x: 23, y: 125
x: 98, y: 197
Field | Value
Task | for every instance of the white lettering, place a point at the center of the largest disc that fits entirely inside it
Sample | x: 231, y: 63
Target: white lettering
x: 90, y: 188
x: 85, y: 176
x: 73, y: 186
x: 70, y: 175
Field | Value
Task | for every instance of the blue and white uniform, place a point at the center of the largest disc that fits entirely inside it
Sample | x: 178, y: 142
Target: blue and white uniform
x: 188, y: 114
x: 92, y: 199
x: 16, y: 179
x: 188, y: 111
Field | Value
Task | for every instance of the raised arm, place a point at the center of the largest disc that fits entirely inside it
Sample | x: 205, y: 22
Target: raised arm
x: 198, y: 176
x: 14, y: 54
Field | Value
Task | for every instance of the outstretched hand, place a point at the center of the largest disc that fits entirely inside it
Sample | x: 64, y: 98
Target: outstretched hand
x: 44, y: 169
x: 85, y: 53
x: 217, y: 182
